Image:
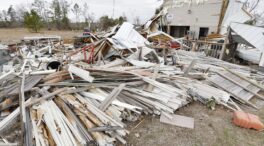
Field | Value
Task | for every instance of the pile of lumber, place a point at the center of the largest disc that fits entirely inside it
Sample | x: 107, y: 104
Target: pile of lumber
x: 95, y: 90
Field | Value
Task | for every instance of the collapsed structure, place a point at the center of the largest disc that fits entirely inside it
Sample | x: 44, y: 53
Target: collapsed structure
x: 86, y: 96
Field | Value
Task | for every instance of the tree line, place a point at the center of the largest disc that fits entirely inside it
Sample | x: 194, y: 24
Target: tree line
x: 55, y: 15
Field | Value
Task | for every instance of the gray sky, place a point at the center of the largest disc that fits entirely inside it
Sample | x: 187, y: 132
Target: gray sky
x: 131, y: 8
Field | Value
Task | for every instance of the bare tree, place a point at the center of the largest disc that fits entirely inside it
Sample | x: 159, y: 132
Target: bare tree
x: 88, y: 17
x: 42, y: 8
x: 5, y: 16
x: 11, y: 12
x: 21, y: 10
x: 65, y: 7
x: 77, y: 11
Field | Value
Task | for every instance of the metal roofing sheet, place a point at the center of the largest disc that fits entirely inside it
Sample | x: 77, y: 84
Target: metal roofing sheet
x: 252, y: 34
x: 128, y: 37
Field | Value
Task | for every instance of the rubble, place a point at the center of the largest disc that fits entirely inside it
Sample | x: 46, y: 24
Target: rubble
x: 90, y: 94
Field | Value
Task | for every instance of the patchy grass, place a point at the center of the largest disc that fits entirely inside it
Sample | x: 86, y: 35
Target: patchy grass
x: 227, y: 138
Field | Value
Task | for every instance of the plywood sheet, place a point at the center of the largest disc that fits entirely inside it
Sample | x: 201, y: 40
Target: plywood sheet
x: 178, y: 120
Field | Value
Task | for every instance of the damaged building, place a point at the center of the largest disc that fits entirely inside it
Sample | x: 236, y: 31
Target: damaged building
x: 200, y: 18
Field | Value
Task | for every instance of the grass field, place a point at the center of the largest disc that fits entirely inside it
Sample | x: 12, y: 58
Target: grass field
x: 14, y: 35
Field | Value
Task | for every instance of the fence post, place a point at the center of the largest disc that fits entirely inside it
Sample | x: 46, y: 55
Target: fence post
x: 224, y: 45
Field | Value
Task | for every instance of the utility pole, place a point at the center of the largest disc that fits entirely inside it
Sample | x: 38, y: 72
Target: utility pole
x: 113, y: 9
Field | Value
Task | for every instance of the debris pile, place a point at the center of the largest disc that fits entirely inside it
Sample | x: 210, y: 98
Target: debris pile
x: 85, y: 96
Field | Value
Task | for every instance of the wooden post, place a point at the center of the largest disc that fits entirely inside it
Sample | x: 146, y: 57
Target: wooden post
x: 140, y: 54
x: 194, y: 46
x: 222, y: 55
x: 165, y: 56
x: 168, y: 29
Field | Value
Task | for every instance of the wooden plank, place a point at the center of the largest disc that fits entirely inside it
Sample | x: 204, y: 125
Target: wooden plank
x: 111, y: 97
x: 29, y: 136
x: 23, y: 111
x: 81, y: 73
x: 235, y: 96
x: 46, y: 97
x: 105, y: 128
x: 240, y: 84
x: 231, y: 87
x: 69, y: 113
x: 178, y: 120
x: 11, y: 117
x: 14, y: 89
x: 244, y: 78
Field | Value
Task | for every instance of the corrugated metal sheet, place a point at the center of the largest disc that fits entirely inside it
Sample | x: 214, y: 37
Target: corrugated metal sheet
x: 252, y: 34
x: 127, y: 37
x: 234, y: 13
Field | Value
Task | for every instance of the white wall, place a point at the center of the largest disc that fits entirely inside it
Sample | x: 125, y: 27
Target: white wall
x: 202, y: 15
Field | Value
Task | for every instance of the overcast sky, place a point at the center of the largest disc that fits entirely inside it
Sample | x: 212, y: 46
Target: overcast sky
x: 131, y: 8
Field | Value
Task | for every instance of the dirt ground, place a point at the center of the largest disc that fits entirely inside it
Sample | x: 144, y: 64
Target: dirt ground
x: 9, y: 36
x: 212, y: 127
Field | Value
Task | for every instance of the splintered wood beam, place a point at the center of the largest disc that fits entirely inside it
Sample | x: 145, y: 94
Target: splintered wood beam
x: 100, y: 137
x: 32, y: 102
x: 69, y: 113
x: 23, y: 110
x: 29, y: 136
x: 140, y: 58
x: 111, y: 97
x: 11, y: 117
x: 105, y: 128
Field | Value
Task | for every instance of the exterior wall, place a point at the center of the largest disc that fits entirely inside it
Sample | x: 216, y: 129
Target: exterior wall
x: 195, y: 15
